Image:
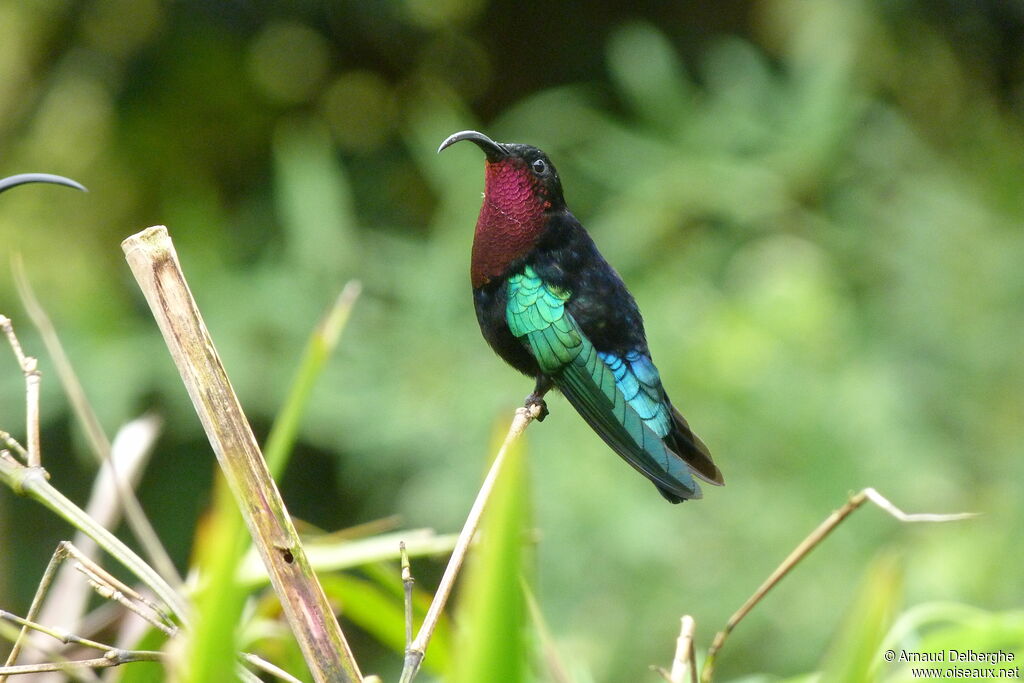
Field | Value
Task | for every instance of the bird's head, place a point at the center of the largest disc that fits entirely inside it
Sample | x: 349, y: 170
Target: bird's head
x: 521, y: 181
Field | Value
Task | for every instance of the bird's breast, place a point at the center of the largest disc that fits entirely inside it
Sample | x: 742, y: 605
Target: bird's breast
x: 502, y: 237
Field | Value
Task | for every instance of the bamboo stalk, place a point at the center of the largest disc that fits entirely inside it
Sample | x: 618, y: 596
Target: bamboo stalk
x: 155, y: 265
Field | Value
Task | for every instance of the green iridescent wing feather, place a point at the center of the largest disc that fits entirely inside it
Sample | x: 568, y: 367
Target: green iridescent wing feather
x: 621, y: 398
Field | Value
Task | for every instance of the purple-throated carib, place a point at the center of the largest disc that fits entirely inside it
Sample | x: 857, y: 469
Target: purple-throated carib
x: 551, y: 306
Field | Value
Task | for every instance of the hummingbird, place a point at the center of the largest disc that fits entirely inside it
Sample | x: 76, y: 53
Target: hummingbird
x: 551, y: 306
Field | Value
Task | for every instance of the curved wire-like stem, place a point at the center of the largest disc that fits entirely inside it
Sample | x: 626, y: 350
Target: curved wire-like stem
x: 806, y: 546
x: 414, y: 653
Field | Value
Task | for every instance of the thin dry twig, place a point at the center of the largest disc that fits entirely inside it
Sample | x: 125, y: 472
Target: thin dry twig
x: 154, y: 263
x: 109, y: 659
x: 137, y: 520
x: 30, y: 368
x: 806, y: 546
x: 49, y: 654
x: 105, y: 584
x: 414, y: 653
x: 110, y: 588
x: 32, y: 481
x: 37, y: 601
x: 263, y: 665
x: 13, y: 445
x: 67, y: 598
x: 76, y: 394
x: 111, y: 656
x: 407, y: 584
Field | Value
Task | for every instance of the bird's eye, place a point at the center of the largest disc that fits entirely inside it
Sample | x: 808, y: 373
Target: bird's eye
x: 539, y: 166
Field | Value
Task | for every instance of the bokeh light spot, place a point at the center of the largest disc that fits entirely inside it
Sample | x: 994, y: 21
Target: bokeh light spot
x: 288, y: 61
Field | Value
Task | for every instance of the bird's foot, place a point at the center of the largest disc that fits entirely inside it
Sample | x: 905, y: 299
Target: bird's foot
x: 535, y: 401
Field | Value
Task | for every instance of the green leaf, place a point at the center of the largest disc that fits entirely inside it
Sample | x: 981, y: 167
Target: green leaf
x: 857, y: 652
x: 491, y: 638
x: 331, y: 554
x: 318, y: 351
x: 213, y: 642
x: 649, y: 74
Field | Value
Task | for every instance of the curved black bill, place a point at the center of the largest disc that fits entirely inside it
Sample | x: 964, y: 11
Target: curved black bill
x: 493, y: 150
x: 23, y: 178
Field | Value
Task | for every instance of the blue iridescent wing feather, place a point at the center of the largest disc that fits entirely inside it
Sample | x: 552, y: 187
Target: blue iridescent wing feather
x: 620, y: 396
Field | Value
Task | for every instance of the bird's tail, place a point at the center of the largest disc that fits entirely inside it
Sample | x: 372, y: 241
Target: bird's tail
x: 692, y: 450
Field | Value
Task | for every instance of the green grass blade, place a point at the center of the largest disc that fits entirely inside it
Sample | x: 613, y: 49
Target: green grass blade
x: 335, y: 555
x: 213, y: 644
x: 492, y: 614
x: 319, y: 348
x: 856, y: 654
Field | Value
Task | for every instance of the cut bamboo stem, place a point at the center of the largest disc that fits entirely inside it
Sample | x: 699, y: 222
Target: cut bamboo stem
x: 155, y: 265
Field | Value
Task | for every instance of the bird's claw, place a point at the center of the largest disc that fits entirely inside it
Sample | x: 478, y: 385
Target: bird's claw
x: 535, y: 400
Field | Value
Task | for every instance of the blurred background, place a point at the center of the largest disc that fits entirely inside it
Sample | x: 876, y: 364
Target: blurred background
x: 817, y: 203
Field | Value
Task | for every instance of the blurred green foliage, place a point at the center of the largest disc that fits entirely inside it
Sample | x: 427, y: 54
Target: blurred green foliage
x: 817, y: 203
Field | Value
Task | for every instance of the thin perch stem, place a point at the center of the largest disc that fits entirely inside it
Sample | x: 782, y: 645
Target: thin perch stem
x: 414, y: 654
x: 57, y: 634
x: 806, y: 546
x: 37, y: 603
x: 155, y: 265
x: 407, y: 583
